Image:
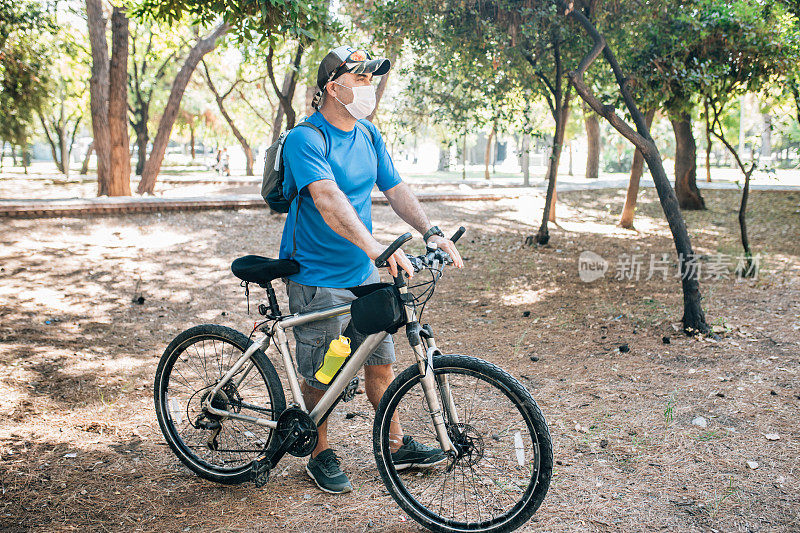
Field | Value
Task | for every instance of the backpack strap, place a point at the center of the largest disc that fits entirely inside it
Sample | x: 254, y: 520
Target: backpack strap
x: 366, y: 130
x: 308, y: 124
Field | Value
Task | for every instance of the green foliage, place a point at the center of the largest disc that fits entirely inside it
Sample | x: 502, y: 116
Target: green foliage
x: 477, y: 63
x: 255, y: 21
x: 708, y: 48
x: 25, y: 62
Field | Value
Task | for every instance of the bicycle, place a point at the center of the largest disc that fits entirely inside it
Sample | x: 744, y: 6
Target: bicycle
x: 221, y: 407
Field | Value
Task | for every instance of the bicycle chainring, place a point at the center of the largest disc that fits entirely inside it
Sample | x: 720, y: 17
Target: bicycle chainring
x: 295, y: 419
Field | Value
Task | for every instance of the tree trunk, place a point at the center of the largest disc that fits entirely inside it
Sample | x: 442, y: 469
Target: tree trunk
x: 708, y: 142
x: 26, y: 157
x: 286, y: 94
x: 65, y: 147
x: 142, y: 139
x: 248, y: 152
x: 561, y: 115
x: 766, y: 137
x: 98, y: 90
x: 637, y: 166
x: 444, y: 157
x: 569, y: 171
x: 694, y: 320
x: 593, y: 141
x: 220, y: 99
x: 686, y: 163
x: 277, y: 125
x: 464, y: 156
x: 494, y: 153
x: 748, y: 269
x: 85, y: 165
x: 382, y: 86
x: 153, y: 165
x: 311, y: 90
x: 526, y: 160
x: 489, y: 149
x: 191, y: 140
x: 54, y: 150
x: 119, y: 183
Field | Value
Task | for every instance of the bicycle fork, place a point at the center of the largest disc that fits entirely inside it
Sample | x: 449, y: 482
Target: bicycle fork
x: 416, y: 334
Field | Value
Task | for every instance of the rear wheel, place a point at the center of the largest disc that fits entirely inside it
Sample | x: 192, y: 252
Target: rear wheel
x: 501, y: 471
x: 216, y: 448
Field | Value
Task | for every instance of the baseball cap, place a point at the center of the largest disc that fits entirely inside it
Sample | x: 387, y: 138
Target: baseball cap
x: 348, y: 59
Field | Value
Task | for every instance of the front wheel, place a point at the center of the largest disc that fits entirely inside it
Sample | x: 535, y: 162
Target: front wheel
x: 217, y: 448
x: 501, y: 471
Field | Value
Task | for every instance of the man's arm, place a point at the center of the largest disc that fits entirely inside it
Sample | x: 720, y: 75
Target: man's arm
x: 407, y: 207
x: 339, y: 214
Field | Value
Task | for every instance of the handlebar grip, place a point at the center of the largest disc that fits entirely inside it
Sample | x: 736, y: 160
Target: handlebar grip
x: 457, y: 235
x: 380, y: 261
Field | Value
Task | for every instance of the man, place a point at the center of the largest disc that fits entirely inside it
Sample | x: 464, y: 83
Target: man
x: 328, y: 231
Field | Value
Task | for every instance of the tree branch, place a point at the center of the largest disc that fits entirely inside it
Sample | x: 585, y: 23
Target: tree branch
x: 72, y: 137
x: 251, y: 106
x: 796, y: 95
x: 271, y: 73
x: 718, y: 132
x: 622, y: 81
x: 538, y: 73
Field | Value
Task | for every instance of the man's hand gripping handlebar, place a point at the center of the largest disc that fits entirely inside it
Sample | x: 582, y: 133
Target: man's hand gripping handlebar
x: 444, y: 253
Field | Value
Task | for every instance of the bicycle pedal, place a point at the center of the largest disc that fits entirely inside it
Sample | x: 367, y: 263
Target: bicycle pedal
x: 349, y: 391
x: 261, y: 472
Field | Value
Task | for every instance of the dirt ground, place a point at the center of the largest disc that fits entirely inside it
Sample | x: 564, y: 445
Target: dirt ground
x: 87, y: 306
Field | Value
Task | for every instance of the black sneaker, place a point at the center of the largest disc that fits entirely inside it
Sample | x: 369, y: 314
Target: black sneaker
x: 324, y: 469
x: 414, y: 454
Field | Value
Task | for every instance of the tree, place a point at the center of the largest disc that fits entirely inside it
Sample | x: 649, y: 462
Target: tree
x: 285, y: 92
x: 593, y: 143
x: 693, y: 315
x: 220, y: 99
x: 108, y: 99
x: 683, y: 46
x: 250, y: 21
x: 201, y: 47
x: 62, y: 116
x: 25, y: 68
x: 153, y: 54
x: 763, y: 57
x: 545, y: 45
x: 637, y: 167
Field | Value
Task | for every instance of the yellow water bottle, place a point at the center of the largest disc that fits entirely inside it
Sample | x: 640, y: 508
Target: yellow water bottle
x: 338, y: 351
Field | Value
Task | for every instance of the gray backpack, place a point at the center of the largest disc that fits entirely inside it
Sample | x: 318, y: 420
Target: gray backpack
x: 272, y: 181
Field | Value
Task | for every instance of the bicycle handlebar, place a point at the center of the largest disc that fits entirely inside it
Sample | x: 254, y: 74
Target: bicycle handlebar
x: 417, y: 262
x: 457, y: 235
x: 380, y: 261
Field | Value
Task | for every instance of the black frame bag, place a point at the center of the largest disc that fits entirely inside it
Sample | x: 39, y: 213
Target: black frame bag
x: 379, y: 309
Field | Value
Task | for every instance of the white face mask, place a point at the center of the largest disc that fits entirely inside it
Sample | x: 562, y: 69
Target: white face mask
x: 363, y: 100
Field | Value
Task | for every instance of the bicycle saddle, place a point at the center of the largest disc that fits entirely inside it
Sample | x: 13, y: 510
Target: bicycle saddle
x: 262, y: 270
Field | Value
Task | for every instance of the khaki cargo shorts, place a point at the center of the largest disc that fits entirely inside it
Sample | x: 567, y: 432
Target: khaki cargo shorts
x: 314, y: 338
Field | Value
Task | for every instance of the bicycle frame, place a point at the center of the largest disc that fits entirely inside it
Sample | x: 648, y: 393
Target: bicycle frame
x: 354, y: 363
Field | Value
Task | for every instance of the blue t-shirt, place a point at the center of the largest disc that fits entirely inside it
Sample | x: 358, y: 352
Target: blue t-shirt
x: 356, y: 164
